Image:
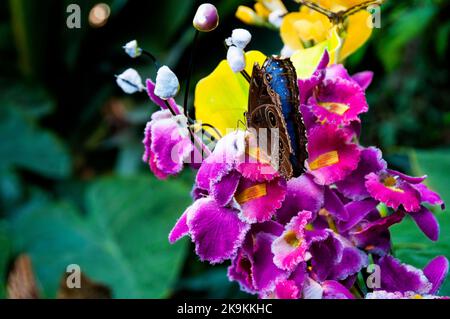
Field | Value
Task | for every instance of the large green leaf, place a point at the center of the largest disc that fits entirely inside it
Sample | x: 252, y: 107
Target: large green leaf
x: 410, y: 244
x: 28, y: 146
x: 121, y: 242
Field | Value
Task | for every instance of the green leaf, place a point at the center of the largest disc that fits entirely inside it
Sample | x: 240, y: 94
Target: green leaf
x: 121, y: 242
x: 410, y: 245
x: 404, y: 28
x: 4, y: 258
x: 30, y: 20
x: 28, y: 146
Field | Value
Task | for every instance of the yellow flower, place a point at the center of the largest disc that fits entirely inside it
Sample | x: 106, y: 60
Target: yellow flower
x: 221, y: 99
x: 306, y: 28
x: 260, y: 15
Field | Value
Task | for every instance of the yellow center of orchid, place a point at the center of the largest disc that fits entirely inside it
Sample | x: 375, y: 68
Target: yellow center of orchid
x: 336, y: 108
x: 324, y: 160
x: 251, y: 193
x: 391, y: 183
x: 331, y: 224
x: 291, y: 238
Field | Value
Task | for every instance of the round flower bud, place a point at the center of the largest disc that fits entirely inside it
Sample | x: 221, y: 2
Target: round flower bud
x: 130, y: 81
x: 236, y: 59
x: 241, y: 38
x: 167, y: 84
x: 132, y: 49
x: 207, y: 18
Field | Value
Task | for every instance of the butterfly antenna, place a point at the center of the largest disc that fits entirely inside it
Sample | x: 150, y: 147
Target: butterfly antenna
x: 239, y: 122
x: 362, y: 6
x: 213, y: 128
x: 329, y: 14
x: 247, y: 76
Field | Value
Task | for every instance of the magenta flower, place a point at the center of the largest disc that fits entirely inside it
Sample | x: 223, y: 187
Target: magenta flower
x: 216, y: 231
x: 338, y: 101
x: 290, y: 248
x: 167, y: 144
x: 332, y: 155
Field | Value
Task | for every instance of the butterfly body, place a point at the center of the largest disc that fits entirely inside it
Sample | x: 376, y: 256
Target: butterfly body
x: 274, y: 104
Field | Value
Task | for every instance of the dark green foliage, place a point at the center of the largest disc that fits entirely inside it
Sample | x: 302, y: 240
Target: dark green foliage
x: 73, y: 189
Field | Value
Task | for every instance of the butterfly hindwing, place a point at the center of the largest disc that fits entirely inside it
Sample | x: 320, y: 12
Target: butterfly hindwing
x: 264, y: 112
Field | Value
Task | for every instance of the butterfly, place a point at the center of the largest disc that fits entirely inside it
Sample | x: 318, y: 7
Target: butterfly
x: 338, y: 18
x: 274, y: 104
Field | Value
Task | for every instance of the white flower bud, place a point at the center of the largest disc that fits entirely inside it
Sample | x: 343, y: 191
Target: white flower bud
x: 167, y: 84
x: 130, y: 81
x: 132, y: 49
x: 241, y: 38
x: 236, y: 59
x: 276, y: 18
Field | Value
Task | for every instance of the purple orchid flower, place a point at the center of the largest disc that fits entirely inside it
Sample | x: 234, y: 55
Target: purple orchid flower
x: 167, y: 144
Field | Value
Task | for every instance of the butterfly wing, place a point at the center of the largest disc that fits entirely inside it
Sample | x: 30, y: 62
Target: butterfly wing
x: 264, y: 112
x: 301, y: 152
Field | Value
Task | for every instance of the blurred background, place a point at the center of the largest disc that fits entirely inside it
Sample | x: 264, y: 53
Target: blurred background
x: 73, y: 189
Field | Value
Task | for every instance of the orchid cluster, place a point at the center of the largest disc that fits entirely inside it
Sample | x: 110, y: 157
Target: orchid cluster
x: 313, y: 236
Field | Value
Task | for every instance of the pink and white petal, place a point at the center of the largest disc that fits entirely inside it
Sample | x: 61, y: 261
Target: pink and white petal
x: 170, y: 145
x: 290, y: 248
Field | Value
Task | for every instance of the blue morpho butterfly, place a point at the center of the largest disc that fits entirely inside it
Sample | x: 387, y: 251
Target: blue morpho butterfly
x: 274, y: 104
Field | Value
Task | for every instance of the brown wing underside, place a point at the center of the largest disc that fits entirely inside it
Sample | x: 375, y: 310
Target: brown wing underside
x: 264, y: 112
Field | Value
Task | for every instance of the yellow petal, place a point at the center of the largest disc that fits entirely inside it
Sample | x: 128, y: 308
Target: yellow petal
x: 221, y: 99
x: 300, y: 28
x: 358, y: 32
x: 247, y: 15
x: 306, y: 60
x: 261, y: 10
